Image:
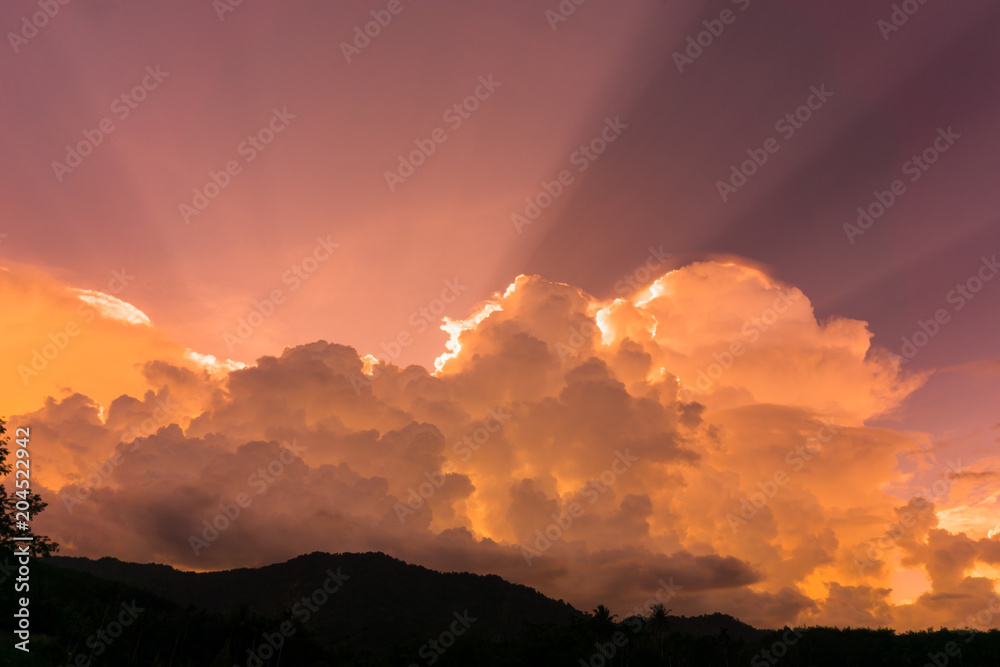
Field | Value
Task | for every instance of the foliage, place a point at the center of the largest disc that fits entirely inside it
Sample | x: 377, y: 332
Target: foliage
x: 389, y: 627
x: 41, y: 545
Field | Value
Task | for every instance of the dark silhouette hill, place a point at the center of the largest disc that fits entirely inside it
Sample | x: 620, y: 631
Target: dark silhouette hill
x: 81, y: 619
x: 382, y: 611
x: 380, y: 586
x: 418, y: 602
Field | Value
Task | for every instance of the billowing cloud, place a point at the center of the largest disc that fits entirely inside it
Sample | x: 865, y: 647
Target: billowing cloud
x: 707, y: 432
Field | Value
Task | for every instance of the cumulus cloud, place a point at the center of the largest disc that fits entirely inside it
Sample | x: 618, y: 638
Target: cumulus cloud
x: 707, y: 431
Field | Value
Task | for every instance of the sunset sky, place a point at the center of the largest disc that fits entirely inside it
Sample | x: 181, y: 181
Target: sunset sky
x: 720, y: 312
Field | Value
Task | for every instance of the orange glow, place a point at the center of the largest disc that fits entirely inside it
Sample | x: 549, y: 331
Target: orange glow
x: 552, y: 412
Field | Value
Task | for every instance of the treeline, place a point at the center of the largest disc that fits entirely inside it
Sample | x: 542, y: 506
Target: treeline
x: 79, y: 619
x: 639, y: 645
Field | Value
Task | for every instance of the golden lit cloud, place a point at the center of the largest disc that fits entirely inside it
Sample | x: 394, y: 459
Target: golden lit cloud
x: 111, y: 308
x: 58, y: 340
x: 707, y: 428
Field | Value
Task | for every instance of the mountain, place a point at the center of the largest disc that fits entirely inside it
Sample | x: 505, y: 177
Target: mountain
x: 377, y: 600
x: 374, y: 586
x: 368, y: 609
x: 369, y: 590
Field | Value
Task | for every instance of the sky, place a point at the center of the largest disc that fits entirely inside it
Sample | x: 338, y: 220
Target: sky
x: 711, y: 283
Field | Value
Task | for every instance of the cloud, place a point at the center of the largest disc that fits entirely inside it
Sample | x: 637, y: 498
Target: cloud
x: 112, y: 308
x: 707, y: 430
x: 60, y: 340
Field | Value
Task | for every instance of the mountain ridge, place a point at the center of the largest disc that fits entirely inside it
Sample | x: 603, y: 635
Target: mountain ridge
x: 224, y: 591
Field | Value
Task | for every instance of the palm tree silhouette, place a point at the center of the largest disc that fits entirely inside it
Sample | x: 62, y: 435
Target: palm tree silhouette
x: 604, y: 622
x: 659, y: 626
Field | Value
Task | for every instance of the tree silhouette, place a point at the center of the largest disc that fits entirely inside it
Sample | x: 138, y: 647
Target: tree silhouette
x: 725, y: 641
x: 604, y: 622
x: 13, y: 507
x: 659, y: 625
